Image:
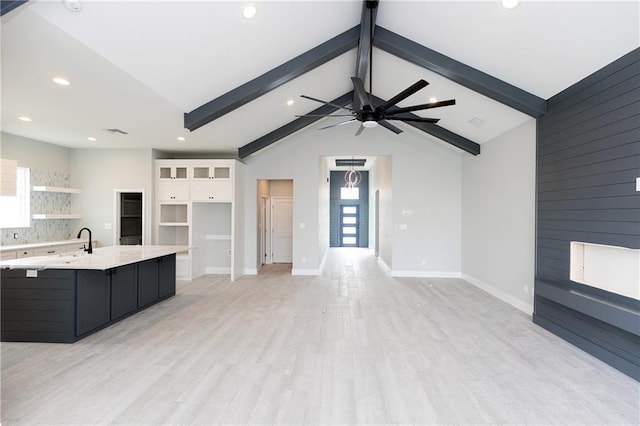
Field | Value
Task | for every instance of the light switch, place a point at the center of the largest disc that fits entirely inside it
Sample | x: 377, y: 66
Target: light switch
x: 303, y: 225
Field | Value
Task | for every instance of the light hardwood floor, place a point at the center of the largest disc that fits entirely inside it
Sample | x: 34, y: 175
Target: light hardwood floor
x: 352, y: 346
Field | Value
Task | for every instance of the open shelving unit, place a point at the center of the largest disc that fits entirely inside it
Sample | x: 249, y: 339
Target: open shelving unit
x: 59, y: 190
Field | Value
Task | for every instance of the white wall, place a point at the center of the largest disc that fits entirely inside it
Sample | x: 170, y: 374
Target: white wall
x: 323, y: 208
x: 98, y: 172
x: 498, y: 221
x: 380, y: 180
x: 35, y: 154
x: 425, y: 178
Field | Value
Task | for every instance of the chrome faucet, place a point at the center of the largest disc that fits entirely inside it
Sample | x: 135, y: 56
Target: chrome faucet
x: 90, y: 248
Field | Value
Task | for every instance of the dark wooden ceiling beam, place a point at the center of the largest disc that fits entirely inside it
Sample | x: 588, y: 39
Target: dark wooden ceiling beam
x: 367, y: 22
x: 460, y: 73
x: 272, y: 79
x: 292, y: 127
x: 7, y: 6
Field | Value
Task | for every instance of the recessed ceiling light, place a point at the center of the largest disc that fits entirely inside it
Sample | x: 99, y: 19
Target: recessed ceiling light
x: 72, y: 5
x: 249, y: 11
x: 510, y: 4
x: 181, y: 138
x: 91, y: 138
x: 61, y: 81
x: 25, y: 118
x: 433, y: 100
x: 290, y: 102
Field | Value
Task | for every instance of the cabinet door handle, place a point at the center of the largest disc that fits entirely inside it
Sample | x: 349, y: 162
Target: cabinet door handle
x: 51, y: 251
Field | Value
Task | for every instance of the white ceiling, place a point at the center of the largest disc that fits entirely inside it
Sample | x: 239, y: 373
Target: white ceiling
x: 139, y: 66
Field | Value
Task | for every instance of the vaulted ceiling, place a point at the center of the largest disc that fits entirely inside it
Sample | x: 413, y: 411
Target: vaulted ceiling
x: 149, y: 68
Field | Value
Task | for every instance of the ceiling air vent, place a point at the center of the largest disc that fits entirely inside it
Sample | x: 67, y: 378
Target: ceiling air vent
x: 116, y: 131
x: 477, y: 122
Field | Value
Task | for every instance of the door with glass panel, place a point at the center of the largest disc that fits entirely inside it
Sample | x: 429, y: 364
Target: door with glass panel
x: 349, y: 221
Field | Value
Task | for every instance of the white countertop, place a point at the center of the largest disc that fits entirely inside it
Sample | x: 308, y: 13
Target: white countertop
x: 102, y: 258
x: 27, y: 246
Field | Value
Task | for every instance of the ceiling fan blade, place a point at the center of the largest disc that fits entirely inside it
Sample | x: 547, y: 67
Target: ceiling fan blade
x: 360, y: 130
x: 421, y: 107
x: 390, y: 126
x: 325, y: 102
x: 358, y: 86
x: 414, y: 119
x: 337, y: 124
x: 420, y: 84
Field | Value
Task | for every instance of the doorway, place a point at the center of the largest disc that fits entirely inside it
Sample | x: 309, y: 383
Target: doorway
x: 348, y: 211
x: 275, y: 222
x: 129, y: 217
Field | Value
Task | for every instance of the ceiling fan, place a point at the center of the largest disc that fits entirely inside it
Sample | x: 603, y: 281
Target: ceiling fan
x: 371, y: 115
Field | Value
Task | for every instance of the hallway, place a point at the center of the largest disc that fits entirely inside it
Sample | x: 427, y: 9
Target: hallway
x: 352, y: 346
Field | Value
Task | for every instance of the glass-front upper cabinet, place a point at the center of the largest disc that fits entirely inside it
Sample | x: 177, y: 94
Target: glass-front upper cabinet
x: 211, y: 172
x: 168, y: 171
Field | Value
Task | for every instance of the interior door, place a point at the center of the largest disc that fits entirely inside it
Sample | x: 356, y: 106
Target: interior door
x: 281, y: 230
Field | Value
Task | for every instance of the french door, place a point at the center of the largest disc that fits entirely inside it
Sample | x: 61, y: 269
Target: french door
x: 349, y: 225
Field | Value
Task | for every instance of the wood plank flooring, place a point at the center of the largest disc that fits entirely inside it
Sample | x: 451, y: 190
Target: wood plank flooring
x: 352, y: 346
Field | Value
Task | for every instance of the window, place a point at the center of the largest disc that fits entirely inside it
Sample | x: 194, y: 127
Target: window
x: 16, y: 210
x: 347, y: 193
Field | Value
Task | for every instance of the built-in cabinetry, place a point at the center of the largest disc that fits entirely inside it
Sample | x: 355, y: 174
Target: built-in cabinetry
x: 195, y: 207
x: 58, y: 190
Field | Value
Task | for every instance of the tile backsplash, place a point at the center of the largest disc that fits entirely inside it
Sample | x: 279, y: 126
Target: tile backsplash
x: 42, y: 230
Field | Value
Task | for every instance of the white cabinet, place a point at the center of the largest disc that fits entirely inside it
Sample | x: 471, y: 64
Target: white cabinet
x: 8, y: 255
x: 191, y: 195
x: 172, y: 181
x: 211, y: 182
x: 212, y: 191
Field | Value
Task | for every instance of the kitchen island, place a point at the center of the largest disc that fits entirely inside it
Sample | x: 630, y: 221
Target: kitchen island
x: 64, y: 298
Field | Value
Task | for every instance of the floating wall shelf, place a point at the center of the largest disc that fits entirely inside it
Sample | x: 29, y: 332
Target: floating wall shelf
x: 57, y: 189
x: 56, y: 216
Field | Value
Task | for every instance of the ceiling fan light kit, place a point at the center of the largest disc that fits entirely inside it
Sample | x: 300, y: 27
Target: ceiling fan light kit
x: 371, y: 115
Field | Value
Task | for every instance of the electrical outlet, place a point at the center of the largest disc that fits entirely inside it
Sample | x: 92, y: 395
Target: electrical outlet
x: 526, y: 289
x: 303, y: 260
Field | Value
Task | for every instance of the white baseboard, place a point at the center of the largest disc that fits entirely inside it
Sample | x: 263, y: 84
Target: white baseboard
x: 305, y: 272
x: 384, y: 266
x: 217, y: 270
x: 500, y: 294
x: 322, y: 262
x: 251, y: 271
x: 425, y: 274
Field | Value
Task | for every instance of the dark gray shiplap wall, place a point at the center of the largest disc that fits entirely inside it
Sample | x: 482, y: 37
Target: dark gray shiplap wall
x: 337, y: 182
x: 588, y: 157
